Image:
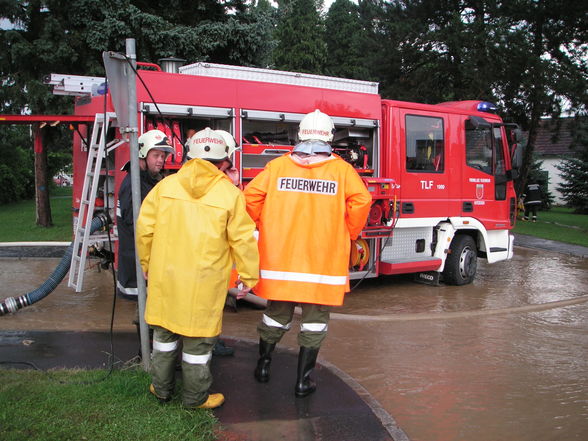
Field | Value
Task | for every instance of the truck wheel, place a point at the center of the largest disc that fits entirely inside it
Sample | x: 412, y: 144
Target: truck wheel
x: 462, y: 261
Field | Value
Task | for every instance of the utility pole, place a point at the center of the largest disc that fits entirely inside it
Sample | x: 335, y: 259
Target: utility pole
x: 132, y: 131
x: 122, y: 84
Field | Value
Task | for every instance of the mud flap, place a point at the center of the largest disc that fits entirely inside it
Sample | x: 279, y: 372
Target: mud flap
x: 428, y: 278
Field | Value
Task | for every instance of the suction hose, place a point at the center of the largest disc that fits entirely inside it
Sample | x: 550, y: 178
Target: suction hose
x: 257, y: 301
x: 251, y: 298
x: 13, y: 304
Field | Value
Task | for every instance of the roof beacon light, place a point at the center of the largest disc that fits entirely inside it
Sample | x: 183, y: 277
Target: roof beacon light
x: 99, y: 89
x: 485, y: 106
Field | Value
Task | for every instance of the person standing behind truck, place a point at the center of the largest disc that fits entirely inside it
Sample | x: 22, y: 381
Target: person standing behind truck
x: 308, y: 205
x: 154, y: 146
x: 192, y: 226
x: 532, y: 199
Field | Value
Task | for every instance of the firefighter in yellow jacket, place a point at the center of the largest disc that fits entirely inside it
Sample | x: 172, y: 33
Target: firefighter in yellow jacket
x: 192, y: 226
x: 308, y: 205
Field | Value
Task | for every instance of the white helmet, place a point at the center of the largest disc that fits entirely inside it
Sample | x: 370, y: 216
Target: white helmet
x: 154, y: 139
x: 209, y: 145
x: 231, y: 143
x: 316, y: 126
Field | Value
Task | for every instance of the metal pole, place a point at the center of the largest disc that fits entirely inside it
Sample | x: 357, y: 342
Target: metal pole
x: 132, y: 131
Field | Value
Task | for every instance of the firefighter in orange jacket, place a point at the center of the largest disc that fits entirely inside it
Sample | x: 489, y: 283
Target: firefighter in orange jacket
x: 308, y: 205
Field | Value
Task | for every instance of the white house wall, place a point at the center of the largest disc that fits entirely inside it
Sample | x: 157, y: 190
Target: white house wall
x: 554, y: 177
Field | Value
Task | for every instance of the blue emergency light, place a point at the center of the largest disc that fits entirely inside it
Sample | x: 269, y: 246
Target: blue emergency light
x: 99, y: 89
x: 486, y: 106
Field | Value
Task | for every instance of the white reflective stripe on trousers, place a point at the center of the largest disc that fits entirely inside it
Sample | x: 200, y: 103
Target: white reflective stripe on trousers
x: 127, y: 291
x: 303, y: 277
x: 196, y: 359
x: 165, y: 347
x: 274, y: 324
x: 314, y: 327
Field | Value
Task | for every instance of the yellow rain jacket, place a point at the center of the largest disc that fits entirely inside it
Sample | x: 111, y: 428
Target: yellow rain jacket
x: 191, y: 228
x: 306, y: 216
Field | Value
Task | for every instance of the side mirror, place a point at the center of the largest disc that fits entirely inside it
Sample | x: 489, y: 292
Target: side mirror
x: 478, y: 123
x: 516, y: 156
x: 513, y: 174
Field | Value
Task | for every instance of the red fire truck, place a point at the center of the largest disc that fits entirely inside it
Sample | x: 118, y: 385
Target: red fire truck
x: 441, y: 176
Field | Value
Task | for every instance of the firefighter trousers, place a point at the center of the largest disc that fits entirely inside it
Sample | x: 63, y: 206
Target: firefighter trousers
x: 277, y: 319
x: 196, y: 355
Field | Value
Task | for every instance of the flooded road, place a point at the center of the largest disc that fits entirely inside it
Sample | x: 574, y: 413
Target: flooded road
x: 501, y: 359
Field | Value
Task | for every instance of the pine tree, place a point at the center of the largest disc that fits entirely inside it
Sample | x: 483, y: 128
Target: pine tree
x: 68, y: 37
x: 574, y: 189
x: 300, y: 34
x: 378, y: 59
x: 574, y: 172
x: 343, y: 39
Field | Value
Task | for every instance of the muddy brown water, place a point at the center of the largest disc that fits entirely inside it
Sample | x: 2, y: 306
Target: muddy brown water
x: 501, y: 359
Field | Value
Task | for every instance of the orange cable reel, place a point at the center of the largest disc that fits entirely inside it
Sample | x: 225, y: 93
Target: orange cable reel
x: 360, y: 254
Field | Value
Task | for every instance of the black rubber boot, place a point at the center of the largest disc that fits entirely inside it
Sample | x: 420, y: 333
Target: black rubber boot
x: 306, y: 362
x: 262, y: 371
x: 221, y: 349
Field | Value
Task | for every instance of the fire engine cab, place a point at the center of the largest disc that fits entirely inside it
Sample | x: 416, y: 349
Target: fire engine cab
x: 440, y: 175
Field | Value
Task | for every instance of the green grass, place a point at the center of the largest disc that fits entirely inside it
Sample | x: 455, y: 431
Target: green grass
x: 559, y: 224
x: 18, y: 219
x: 56, y: 405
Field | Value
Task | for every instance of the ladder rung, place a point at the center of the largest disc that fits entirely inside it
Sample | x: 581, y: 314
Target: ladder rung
x: 97, y: 152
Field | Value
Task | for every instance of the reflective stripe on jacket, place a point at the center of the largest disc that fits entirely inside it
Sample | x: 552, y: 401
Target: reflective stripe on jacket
x: 532, y: 194
x: 192, y: 226
x: 306, y: 216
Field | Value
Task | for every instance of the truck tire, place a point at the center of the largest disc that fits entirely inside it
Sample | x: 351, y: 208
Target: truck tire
x: 462, y: 261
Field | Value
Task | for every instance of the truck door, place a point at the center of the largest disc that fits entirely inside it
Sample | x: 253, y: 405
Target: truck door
x: 485, y: 180
x: 424, y: 177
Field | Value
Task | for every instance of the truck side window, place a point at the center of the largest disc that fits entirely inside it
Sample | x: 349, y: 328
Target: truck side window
x: 479, y: 148
x: 425, y: 144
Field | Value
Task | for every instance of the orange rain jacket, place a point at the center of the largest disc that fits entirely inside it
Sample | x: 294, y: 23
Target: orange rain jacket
x: 306, y: 216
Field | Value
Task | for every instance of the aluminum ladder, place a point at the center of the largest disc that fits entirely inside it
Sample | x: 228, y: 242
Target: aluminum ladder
x: 97, y: 151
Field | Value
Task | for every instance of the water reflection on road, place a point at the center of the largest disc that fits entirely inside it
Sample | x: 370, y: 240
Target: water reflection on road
x: 486, y: 376
x: 448, y: 363
x: 516, y: 377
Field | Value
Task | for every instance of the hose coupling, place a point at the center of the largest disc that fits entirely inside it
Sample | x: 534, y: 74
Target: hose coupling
x: 105, y: 219
x: 12, y: 304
